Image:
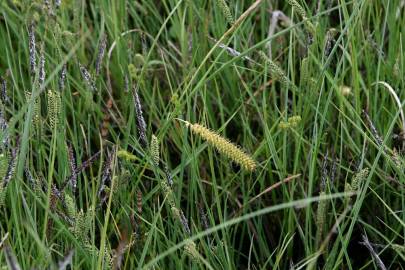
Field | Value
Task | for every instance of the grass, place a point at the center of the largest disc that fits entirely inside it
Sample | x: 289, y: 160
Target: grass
x: 101, y: 167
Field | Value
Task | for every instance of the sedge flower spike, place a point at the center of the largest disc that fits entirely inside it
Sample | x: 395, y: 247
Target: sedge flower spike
x: 223, y: 6
x: 224, y: 146
x: 32, y: 48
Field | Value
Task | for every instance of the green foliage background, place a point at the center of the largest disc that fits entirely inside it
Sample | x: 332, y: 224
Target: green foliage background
x: 309, y: 102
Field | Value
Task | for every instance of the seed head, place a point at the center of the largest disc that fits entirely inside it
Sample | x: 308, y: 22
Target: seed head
x: 277, y: 71
x: 330, y: 38
x: 223, y: 6
x: 284, y: 125
x: 87, y: 77
x: 132, y: 70
x: 36, y: 113
x: 32, y: 45
x: 184, y: 222
x: 167, y: 191
x: 373, y: 129
x: 29, y: 176
x: 3, y: 165
x: 203, y: 216
x: 54, y: 108
x: 224, y: 146
x: 154, y: 149
x: 304, y: 72
x: 4, y: 97
x: 88, y: 220
x: 11, y: 167
x: 320, y: 216
x: 139, y: 117
x: 126, y: 155
x: 301, y: 11
x: 62, y: 77
x: 294, y: 120
x: 190, y: 249
x: 100, y: 55
x: 106, y: 178
x: 73, y: 168
x: 169, y: 177
x: 359, y: 179
x: 41, y: 76
x: 79, y: 228
x: 70, y: 206
x: 3, y: 193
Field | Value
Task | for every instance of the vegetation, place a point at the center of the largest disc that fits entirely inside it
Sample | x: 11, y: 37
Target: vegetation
x: 205, y: 134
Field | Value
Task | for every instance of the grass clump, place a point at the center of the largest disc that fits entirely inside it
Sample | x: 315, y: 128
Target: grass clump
x: 97, y: 173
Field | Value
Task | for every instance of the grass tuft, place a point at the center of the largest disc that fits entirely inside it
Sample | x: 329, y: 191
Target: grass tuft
x: 96, y: 174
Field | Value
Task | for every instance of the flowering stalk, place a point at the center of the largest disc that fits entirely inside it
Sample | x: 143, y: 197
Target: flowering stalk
x: 32, y: 45
x: 139, y: 118
x: 223, y: 145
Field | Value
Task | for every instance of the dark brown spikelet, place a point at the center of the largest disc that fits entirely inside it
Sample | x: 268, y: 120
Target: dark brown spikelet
x: 100, y: 55
x: 169, y: 177
x: 204, y: 219
x: 4, y: 97
x: 81, y: 168
x: 203, y: 216
x: 324, y: 172
x: 105, y: 179
x: 73, y: 168
x: 32, y: 47
x: 139, y: 202
x: 132, y: 219
x: 11, y: 167
x: 58, y: 195
x: 41, y: 75
x: 140, y: 120
x: 62, y: 77
x: 87, y: 77
x: 333, y: 170
x: 4, y: 128
x: 29, y: 177
x: 55, y: 195
x: 3, y: 121
x: 136, y: 222
x: 106, y: 118
x: 88, y: 162
x: 184, y: 222
x: 375, y: 46
x: 373, y: 128
x: 329, y: 42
